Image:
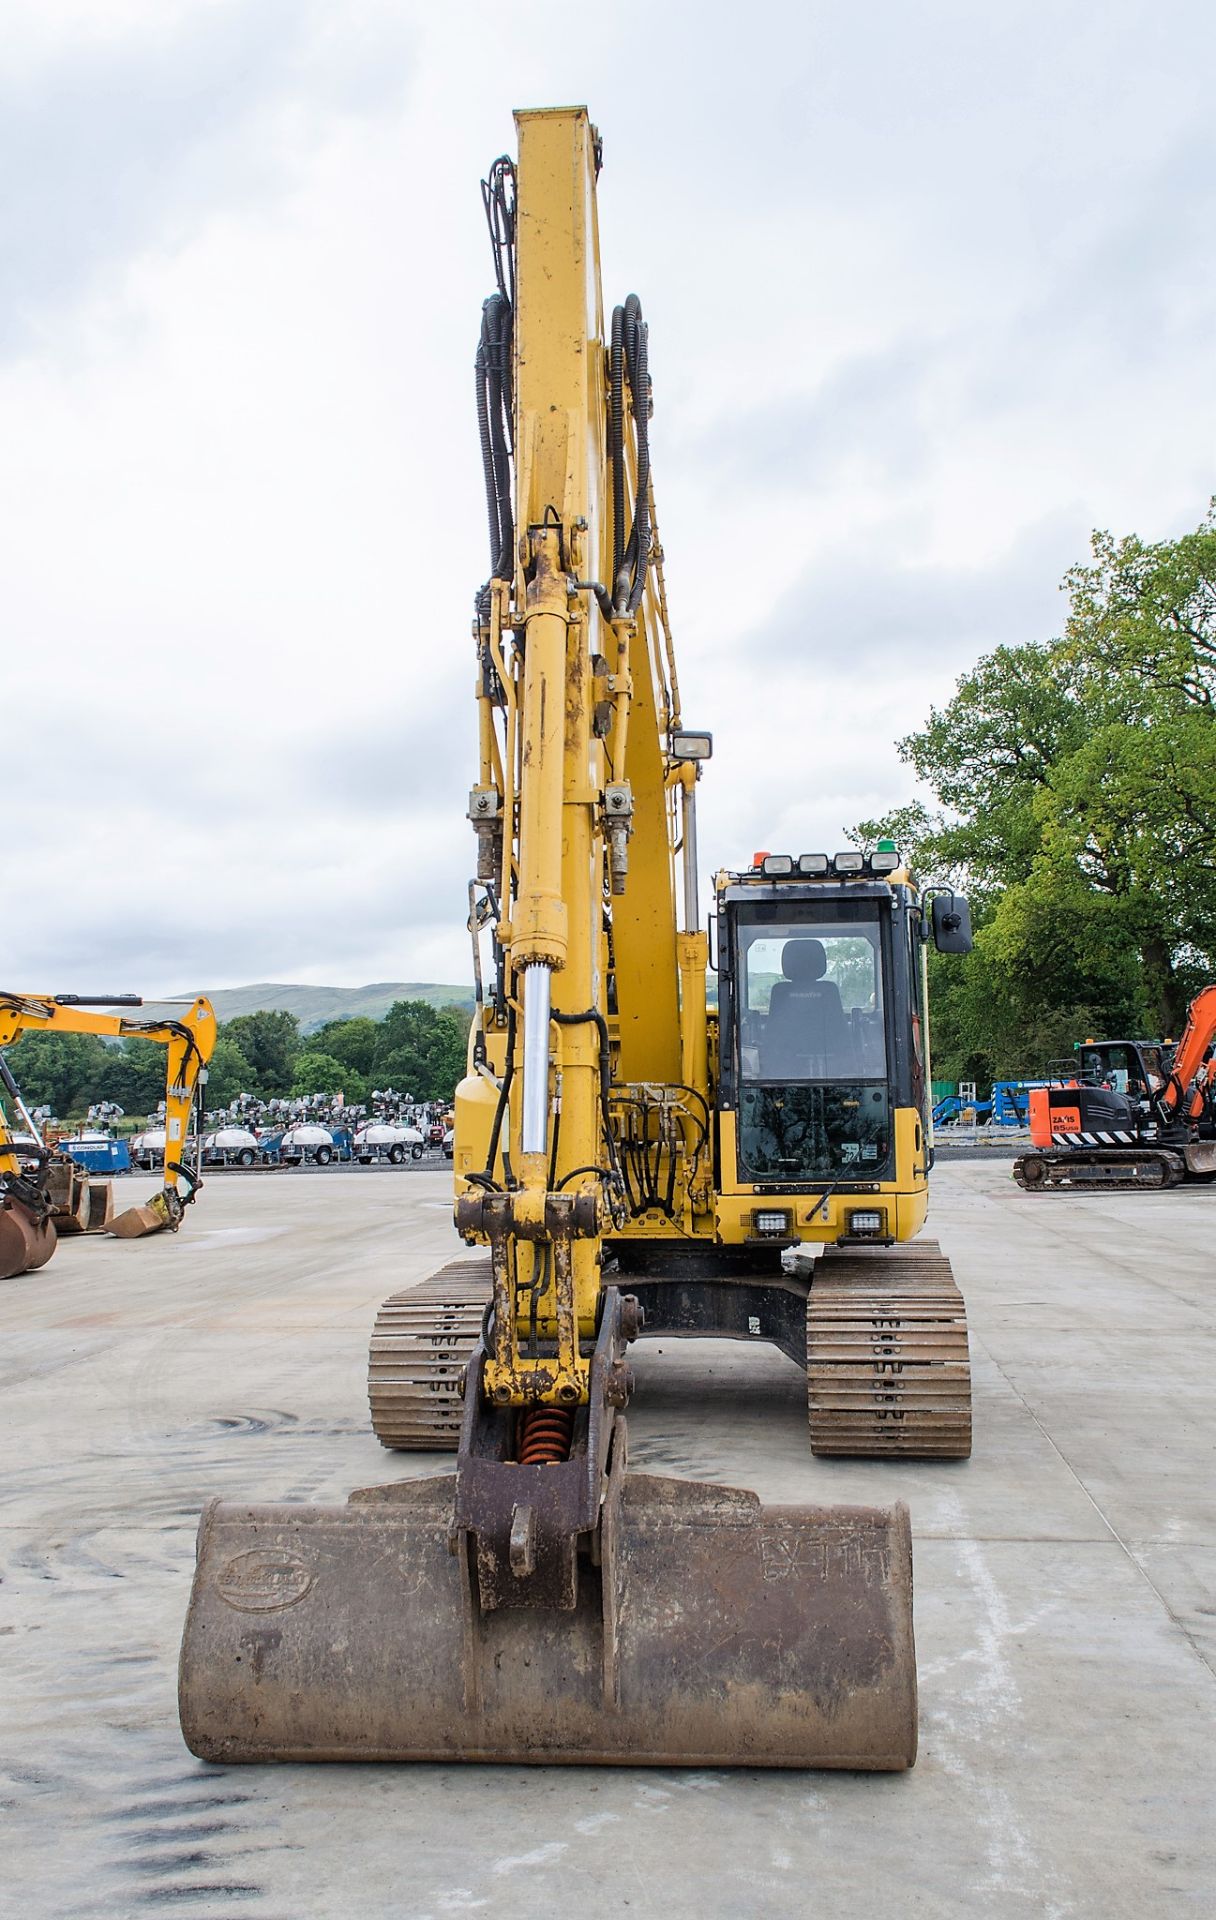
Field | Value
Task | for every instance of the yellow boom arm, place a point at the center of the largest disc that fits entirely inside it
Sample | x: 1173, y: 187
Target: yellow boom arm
x: 190, y: 1042
x: 580, y: 796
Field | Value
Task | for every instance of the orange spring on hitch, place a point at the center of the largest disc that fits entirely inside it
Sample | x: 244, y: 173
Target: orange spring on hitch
x: 543, y: 1435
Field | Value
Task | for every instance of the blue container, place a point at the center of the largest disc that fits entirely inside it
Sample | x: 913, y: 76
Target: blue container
x: 102, y: 1155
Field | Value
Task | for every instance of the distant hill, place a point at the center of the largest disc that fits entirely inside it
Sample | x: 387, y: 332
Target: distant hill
x: 313, y: 1006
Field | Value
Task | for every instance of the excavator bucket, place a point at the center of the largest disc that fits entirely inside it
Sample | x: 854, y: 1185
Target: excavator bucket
x: 565, y: 1611
x: 134, y: 1222
x: 26, y: 1241
x: 67, y: 1186
x: 715, y: 1632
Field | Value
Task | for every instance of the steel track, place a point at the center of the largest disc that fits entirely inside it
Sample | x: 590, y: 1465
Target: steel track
x: 1077, y: 1169
x: 888, y: 1371
x: 421, y: 1343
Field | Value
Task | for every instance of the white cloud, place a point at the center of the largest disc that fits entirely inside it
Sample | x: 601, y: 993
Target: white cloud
x: 930, y: 295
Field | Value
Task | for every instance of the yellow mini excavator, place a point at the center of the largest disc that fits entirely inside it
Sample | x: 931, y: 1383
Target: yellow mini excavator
x: 628, y: 1162
x: 72, y: 1202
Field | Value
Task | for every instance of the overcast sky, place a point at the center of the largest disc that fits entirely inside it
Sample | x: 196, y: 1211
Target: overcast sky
x: 931, y: 294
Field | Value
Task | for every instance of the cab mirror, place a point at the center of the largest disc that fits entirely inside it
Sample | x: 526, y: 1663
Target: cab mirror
x: 951, y: 922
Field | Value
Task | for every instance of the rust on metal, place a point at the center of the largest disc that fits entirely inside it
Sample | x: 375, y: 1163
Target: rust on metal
x: 67, y: 1187
x: 163, y: 1210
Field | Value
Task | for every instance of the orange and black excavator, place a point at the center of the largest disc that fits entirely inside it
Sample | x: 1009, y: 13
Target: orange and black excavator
x: 1130, y: 1114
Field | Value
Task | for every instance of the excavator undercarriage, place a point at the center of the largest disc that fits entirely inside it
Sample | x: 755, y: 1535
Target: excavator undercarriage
x: 881, y: 1334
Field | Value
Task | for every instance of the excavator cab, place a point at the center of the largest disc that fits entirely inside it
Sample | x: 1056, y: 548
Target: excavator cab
x: 823, y: 1002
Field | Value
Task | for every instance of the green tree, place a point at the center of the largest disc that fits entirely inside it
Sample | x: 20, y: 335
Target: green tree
x: 420, y: 1050
x: 317, y: 1072
x: 1076, y: 782
x: 59, y: 1070
x: 133, y: 1074
x: 228, y: 1073
x: 270, y: 1043
x: 353, y: 1042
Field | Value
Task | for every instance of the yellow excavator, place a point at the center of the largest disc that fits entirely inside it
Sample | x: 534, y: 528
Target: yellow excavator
x: 68, y: 1201
x: 628, y: 1161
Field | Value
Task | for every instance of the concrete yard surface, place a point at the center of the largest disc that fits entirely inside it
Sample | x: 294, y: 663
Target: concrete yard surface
x: 1065, y: 1610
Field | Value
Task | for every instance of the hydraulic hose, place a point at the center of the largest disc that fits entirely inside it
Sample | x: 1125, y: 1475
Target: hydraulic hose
x: 629, y: 360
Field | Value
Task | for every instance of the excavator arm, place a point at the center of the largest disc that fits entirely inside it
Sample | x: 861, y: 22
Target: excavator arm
x: 1186, y: 1092
x: 584, y: 787
x: 189, y: 1043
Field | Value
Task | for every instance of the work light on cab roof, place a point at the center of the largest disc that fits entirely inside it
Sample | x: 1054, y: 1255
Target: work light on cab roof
x: 817, y: 866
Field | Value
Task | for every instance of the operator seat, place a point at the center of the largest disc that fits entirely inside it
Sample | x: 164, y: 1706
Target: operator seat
x: 806, y: 1032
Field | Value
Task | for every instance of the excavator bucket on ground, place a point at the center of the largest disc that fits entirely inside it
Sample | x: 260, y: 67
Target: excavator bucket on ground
x: 558, y: 1613
x: 26, y: 1241
x: 163, y: 1210
x: 79, y: 1204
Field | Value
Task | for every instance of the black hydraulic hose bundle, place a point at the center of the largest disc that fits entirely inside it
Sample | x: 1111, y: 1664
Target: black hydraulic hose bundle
x: 495, y: 396
x: 628, y: 359
x: 494, y: 404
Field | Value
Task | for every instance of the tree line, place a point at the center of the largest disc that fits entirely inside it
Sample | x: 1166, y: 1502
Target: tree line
x: 416, y: 1049
x: 1072, y: 787
x: 1072, y: 793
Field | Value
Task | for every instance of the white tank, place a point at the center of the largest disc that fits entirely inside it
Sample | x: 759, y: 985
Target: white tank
x: 308, y: 1135
x: 387, y: 1133
x: 152, y: 1140
x: 231, y: 1139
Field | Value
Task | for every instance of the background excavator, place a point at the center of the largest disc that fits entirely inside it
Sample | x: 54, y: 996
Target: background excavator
x: 69, y: 1200
x: 627, y: 1162
x: 1131, y: 1114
